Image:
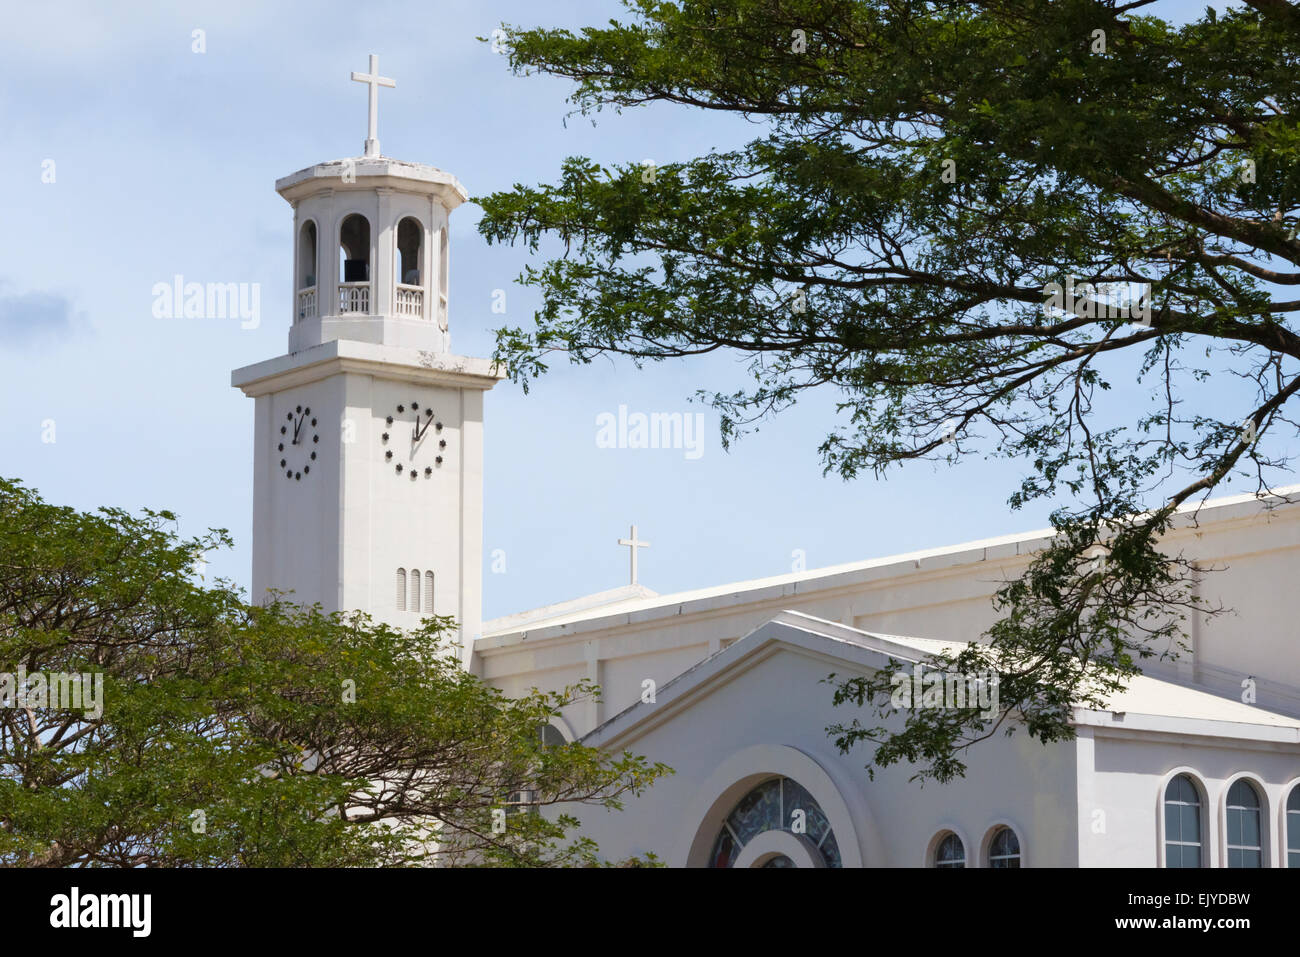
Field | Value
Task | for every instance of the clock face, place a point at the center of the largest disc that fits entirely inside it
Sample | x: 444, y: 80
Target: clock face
x: 297, y: 443
x: 412, y: 441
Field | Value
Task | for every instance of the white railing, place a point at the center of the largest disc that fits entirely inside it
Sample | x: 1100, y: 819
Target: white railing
x: 354, y: 297
x: 409, y: 300
x: 307, y: 303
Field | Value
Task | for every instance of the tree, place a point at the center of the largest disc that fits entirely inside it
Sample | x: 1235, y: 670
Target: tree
x: 968, y: 220
x: 201, y: 730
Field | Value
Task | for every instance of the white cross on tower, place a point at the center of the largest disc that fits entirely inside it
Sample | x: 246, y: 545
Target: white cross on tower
x: 633, y: 545
x: 375, y: 81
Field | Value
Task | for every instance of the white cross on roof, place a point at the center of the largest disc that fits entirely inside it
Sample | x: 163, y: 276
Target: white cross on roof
x: 633, y: 545
x: 375, y: 81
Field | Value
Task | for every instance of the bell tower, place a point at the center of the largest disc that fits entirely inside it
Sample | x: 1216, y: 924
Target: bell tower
x: 368, y: 437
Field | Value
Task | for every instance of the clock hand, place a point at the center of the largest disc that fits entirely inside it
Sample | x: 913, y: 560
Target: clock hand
x: 427, y: 422
x: 297, y: 427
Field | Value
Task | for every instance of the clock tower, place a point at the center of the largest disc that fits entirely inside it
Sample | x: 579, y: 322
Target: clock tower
x: 368, y: 437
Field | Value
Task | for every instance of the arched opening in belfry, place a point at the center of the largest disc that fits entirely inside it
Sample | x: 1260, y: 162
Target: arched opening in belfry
x: 442, y: 277
x: 410, y: 235
x: 354, y: 249
x: 307, y: 271
x: 307, y: 255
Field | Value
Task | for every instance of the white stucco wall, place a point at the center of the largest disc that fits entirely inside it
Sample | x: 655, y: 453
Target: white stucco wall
x: 338, y: 534
x: 779, y: 703
x: 1124, y: 775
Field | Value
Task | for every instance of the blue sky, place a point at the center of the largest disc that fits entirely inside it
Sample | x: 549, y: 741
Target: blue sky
x: 165, y: 162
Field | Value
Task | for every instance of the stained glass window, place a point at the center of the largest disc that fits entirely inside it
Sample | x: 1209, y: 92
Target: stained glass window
x: 1004, y: 849
x: 778, y: 804
x: 950, y: 852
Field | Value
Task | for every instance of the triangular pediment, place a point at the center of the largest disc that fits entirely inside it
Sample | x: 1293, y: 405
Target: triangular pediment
x: 843, y: 649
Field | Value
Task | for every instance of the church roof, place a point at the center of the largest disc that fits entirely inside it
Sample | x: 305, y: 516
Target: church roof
x: 1147, y: 704
x: 603, y: 601
x: 572, y: 616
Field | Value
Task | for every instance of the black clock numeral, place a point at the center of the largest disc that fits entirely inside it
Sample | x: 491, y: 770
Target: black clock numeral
x: 313, y: 456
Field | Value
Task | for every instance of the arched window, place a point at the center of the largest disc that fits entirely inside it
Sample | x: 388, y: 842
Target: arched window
x: 950, y: 852
x: 307, y: 255
x: 778, y: 804
x: 307, y: 271
x: 552, y: 737
x: 428, y: 593
x: 413, y: 604
x: 1183, y: 843
x: 354, y: 249
x: 443, y: 259
x: 1293, y: 828
x: 1004, y: 848
x: 526, y: 801
x: 410, y: 235
x: 1245, y: 841
x: 354, y: 264
x: 401, y: 589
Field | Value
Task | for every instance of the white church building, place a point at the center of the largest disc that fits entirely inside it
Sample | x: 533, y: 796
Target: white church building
x: 368, y: 495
